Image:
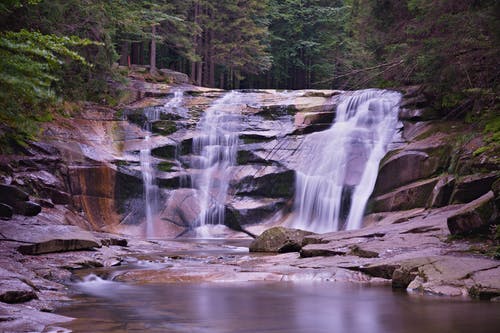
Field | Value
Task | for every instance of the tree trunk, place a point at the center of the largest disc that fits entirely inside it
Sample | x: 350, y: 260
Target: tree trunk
x: 136, y: 53
x: 152, y: 51
x: 124, y: 53
x: 199, y: 73
x: 221, y: 83
x: 211, y: 68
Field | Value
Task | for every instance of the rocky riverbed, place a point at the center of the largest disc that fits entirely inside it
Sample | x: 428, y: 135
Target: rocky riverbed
x: 74, y: 201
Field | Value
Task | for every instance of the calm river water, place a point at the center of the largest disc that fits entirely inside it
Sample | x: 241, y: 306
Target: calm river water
x: 270, y: 307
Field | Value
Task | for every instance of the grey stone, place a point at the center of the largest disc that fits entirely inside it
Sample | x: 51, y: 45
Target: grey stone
x: 39, y: 239
x: 469, y: 188
x: 27, y: 208
x: 474, y: 216
x: 279, y: 239
x: 5, y: 211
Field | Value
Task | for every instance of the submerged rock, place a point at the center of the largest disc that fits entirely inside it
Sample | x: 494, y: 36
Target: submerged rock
x: 279, y: 239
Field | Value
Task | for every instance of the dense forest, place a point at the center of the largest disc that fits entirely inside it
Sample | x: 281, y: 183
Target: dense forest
x: 54, y: 51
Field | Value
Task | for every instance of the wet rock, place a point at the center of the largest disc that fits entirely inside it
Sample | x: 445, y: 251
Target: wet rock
x: 403, y: 276
x: 44, y: 203
x: 417, y: 114
x: 441, y: 194
x: 59, y: 197
x: 360, y: 252
x: 102, y: 192
x: 317, y: 250
x: 38, y: 239
x: 381, y: 270
x: 254, y: 210
x: 407, y: 197
x: 13, y: 289
x: 10, y: 194
x: 15, y: 296
x: 232, y: 221
x: 182, y: 208
x: 166, y: 152
x: 309, y: 122
x: 269, y: 181
x: 5, y: 211
x: 114, y: 242
x: 279, y: 239
x: 27, y: 208
x: 455, y: 276
x: 471, y: 187
x: 486, y: 284
x: 248, y: 156
x: 409, y: 166
x: 20, y: 318
x: 164, y: 127
x: 475, y: 216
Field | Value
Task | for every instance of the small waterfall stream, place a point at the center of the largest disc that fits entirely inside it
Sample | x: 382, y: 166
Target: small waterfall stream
x: 339, y: 166
x: 151, y: 191
x: 215, y: 152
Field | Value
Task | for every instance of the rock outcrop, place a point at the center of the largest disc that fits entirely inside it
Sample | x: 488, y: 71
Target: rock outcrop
x: 279, y: 239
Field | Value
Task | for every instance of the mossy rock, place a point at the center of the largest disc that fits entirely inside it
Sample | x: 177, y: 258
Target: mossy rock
x: 164, y: 127
x: 279, y: 239
x: 165, y: 166
x: 166, y: 152
x: 169, y: 116
x: 136, y: 117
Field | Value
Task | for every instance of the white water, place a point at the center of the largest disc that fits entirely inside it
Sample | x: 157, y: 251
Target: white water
x: 215, y: 152
x: 151, y: 191
x: 339, y: 166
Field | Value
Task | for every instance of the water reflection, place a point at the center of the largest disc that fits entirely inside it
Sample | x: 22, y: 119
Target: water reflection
x: 271, y: 308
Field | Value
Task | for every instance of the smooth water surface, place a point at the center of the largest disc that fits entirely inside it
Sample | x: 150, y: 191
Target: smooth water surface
x: 104, y: 306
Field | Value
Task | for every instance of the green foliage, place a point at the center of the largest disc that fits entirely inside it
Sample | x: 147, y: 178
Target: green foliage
x: 30, y: 64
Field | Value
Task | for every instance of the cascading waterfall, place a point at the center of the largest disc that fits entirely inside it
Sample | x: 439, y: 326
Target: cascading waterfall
x: 339, y: 166
x: 215, y: 152
x: 151, y: 191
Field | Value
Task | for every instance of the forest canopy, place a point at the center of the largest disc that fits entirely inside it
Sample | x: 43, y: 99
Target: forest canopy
x: 67, y: 48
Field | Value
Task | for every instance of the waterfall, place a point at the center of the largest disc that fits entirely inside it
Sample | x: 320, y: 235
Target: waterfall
x: 151, y: 191
x: 339, y: 166
x: 215, y: 152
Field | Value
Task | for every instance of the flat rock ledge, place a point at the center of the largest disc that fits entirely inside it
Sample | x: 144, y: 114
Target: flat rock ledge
x: 37, y: 239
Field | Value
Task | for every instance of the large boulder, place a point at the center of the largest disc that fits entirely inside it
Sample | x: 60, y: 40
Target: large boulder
x: 407, y: 197
x: 471, y: 187
x: 475, y: 216
x: 10, y: 194
x: 5, y: 211
x: 279, y: 239
x: 408, y: 166
x: 13, y: 197
x: 27, y: 208
x: 441, y: 194
x: 174, y: 77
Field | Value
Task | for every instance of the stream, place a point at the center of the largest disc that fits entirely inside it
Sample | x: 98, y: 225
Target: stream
x: 101, y: 305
